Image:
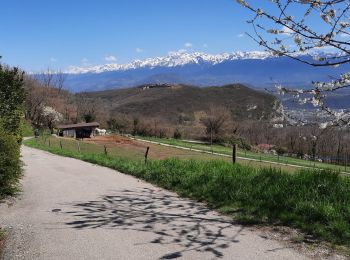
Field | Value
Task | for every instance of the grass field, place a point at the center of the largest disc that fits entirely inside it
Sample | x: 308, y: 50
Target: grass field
x: 315, y: 201
x: 126, y: 147
x: 249, y: 155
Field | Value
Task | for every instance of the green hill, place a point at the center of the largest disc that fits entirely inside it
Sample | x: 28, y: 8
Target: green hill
x: 172, y: 103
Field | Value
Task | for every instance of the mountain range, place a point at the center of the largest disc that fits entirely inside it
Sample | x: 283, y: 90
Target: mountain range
x: 255, y: 69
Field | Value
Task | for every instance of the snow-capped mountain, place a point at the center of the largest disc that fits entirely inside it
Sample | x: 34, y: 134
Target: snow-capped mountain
x: 173, y: 59
x: 258, y: 69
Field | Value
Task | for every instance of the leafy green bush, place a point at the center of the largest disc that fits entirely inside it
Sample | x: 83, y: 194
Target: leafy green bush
x: 12, y: 97
x: 10, y: 165
x: 241, y: 142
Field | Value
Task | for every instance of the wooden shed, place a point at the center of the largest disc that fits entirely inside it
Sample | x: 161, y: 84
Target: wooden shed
x: 81, y: 130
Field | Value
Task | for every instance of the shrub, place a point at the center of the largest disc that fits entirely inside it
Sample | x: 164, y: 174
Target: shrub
x: 12, y: 97
x: 10, y: 165
x: 177, y: 134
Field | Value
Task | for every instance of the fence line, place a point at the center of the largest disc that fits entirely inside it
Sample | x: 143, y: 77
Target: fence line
x: 104, y: 149
x: 238, y: 157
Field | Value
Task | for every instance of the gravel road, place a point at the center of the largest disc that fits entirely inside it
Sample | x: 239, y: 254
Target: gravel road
x: 71, y: 209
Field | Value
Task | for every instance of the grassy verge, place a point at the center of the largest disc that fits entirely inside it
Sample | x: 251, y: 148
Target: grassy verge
x: 27, y: 129
x: 247, y: 154
x: 318, y: 202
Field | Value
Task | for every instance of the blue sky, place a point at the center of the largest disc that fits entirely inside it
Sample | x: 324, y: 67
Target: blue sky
x: 41, y: 33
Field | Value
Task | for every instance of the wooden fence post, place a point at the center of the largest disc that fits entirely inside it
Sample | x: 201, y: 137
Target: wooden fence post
x: 61, y: 145
x: 105, y: 147
x: 346, y: 161
x: 146, y: 154
x: 78, y: 144
x: 234, y: 153
x: 49, y: 143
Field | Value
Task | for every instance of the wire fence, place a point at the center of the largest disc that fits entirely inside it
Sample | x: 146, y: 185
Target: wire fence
x: 137, y: 150
x: 263, y: 158
x: 132, y: 150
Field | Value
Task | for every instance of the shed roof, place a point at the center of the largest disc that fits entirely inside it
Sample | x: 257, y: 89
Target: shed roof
x: 79, y: 125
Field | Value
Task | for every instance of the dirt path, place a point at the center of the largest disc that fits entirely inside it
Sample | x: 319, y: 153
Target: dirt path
x: 71, y: 209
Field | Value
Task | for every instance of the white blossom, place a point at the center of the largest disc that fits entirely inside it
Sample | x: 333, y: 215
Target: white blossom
x: 51, y: 114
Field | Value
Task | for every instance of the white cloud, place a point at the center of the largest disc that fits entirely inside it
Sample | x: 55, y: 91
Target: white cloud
x: 52, y: 59
x: 188, y: 45
x: 344, y: 35
x: 110, y: 58
x: 139, y: 50
x: 241, y: 35
x: 286, y: 30
x: 85, y: 62
x: 177, y: 52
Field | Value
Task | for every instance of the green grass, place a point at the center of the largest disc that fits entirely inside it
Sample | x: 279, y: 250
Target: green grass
x: 318, y: 202
x: 216, y: 148
x: 27, y: 129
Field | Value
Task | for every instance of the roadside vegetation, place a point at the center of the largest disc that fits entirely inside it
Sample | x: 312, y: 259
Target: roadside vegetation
x: 27, y: 129
x: 315, y: 201
x: 11, y: 116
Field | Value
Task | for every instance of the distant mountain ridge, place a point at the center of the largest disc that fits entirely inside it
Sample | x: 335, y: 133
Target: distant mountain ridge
x: 173, y: 59
x: 258, y: 69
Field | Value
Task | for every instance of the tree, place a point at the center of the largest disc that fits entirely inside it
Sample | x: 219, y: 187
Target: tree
x: 216, y: 121
x: 86, y: 107
x: 51, y: 79
x: 51, y: 117
x: 36, y: 99
x: 288, y: 29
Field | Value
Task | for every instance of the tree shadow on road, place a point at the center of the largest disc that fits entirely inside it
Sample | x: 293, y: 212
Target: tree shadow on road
x: 191, y: 226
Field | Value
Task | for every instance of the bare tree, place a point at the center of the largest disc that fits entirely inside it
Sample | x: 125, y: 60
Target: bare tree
x: 53, y: 79
x: 36, y: 99
x: 86, y: 107
x: 288, y: 30
x: 216, y: 121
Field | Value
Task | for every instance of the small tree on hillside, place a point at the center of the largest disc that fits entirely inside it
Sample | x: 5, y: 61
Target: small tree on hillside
x: 216, y: 122
x: 51, y: 79
x: 86, y: 107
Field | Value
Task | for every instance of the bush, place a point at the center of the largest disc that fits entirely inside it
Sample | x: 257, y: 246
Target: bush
x: 12, y: 97
x: 241, y: 142
x: 10, y: 165
x: 177, y: 134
